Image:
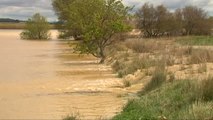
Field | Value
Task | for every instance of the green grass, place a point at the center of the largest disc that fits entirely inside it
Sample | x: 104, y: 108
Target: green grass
x: 207, y: 89
x: 195, y: 40
x: 173, y: 101
x: 158, y: 78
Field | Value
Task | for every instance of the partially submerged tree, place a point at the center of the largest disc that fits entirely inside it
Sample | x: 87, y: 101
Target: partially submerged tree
x: 37, y: 28
x: 98, y: 22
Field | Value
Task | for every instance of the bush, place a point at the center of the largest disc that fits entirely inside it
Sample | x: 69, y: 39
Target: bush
x: 126, y: 83
x: 37, y: 28
x: 143, y: 46
x: 136, y: 64
x: 158, y: 77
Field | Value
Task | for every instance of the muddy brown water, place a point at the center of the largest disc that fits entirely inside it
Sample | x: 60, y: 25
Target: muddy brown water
x: 45, y: 80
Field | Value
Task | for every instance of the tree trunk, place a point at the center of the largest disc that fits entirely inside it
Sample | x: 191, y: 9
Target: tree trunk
x: 102, y: 55
x: 102, y: 60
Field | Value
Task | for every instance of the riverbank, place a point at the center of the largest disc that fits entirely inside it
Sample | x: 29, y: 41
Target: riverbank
x: 172, y: 77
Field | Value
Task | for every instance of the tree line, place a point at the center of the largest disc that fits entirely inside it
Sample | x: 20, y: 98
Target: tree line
x: 159, y: 21
x: 98, y: 24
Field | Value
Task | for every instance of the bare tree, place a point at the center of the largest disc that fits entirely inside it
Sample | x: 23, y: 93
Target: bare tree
x: 146, y: 19
x: 195, y: 21
x: 155, y: 21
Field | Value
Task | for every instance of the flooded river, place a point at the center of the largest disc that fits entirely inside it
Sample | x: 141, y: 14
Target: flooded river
x: 45, y: 80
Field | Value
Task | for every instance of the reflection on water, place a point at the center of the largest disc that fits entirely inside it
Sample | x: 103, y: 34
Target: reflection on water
x: 44, y: 80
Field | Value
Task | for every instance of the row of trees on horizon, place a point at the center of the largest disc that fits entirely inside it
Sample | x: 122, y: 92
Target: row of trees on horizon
x: 159, y: 21
x: 101, y: 23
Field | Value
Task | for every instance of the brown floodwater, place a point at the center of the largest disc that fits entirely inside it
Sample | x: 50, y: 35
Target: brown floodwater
x: 45, y: 80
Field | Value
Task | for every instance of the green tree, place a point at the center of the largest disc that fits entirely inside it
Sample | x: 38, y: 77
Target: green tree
x: 36, y: 28
x: 98, y: 22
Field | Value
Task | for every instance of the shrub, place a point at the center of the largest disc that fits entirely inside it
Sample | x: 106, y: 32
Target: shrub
x: 126, y: 83
x: 117, y: 66
x: 135, y: 64
x: 143, y: 46
x: 158, y: 78
x: 37, y: 28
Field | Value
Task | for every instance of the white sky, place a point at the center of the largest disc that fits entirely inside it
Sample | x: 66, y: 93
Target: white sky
x: 23, y: 9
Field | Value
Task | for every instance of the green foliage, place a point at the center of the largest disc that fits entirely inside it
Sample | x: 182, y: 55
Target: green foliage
x: 98, y: 22
x: 37, y: 28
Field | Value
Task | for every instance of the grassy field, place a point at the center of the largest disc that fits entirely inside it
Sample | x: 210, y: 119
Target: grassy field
x: 196, y: 40
x: 12, y: 25
x: 6, y: 25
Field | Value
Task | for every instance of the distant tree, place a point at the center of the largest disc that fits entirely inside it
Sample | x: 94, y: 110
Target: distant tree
x: 99, y: 23
x: 158, y: 21
x: 37, y: 28
x: 195, y: 21
x: 147, y: 19
x: 154, y: 21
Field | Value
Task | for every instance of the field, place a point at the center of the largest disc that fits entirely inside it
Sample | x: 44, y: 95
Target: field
x: 21, y: 25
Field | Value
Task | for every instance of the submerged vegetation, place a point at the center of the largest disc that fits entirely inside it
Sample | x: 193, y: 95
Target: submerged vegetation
x: 37, y: 28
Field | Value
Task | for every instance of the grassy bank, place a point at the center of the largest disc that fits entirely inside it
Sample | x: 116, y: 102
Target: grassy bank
x: 171, y: 77
x: 181, y: 99
x: 167, y: 69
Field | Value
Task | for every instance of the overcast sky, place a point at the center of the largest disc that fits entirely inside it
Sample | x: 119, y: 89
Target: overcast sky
x: 23, y: 9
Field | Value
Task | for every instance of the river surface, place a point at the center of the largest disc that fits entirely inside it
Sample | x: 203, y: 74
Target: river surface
x: 45, y: 80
